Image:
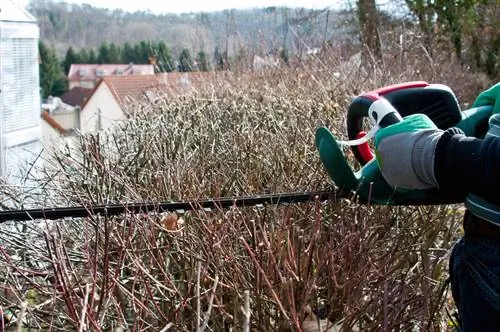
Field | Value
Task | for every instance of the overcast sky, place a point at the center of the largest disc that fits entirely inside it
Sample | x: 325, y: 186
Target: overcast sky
x: 184, y: 6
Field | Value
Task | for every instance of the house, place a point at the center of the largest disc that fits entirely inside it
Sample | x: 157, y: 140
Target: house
x: 76, y: 96
x: 56, y: 137
x: 88, y: 75
x: 20, y: 123
x: 108, y: 101
x: 67, y: 116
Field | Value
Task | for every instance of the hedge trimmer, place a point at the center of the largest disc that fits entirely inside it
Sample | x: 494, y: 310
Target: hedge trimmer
x: 382, y: 107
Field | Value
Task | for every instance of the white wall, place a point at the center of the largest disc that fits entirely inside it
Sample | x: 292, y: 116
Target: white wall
x: 52, y: 141
x: 102, y: 110
x: 19, y: 94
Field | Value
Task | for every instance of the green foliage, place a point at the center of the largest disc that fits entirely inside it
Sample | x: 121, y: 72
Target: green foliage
x: 103, y: 55
x: 185, y: 61
x: 53, y: 81
x: 202, y: 61
x: 470, y: 25
x: 92, y: 57
x: 70, y: 58
x: 112, y: 53
x: 164, y: 57
x: 128, y: 53
x: 109, y: 54
x: 115, y: 54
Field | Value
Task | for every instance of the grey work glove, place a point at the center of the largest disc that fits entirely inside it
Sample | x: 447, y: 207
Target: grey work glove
x: 405, y: 152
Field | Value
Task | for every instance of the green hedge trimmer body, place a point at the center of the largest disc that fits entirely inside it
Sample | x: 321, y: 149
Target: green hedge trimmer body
x: 436, y: 101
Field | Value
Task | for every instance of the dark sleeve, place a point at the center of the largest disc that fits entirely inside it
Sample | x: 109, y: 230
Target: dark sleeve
x: 468, y: 165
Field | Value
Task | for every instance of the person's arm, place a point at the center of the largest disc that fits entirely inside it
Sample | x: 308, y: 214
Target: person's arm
x: 468, y: 165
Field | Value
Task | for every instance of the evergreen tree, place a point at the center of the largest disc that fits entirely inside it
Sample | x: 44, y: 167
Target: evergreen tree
x: 145, y: 50
x: 103, y: 55
x: 202, y: 61
x: 114, y: 55
x: 139, y: 57
x: 165, y: 61
x: 92, y: 57
x: 84, y: 56
x: 70, y: 58
x: 185, y: 61
x: 52, y: 79
x: 128, y: 53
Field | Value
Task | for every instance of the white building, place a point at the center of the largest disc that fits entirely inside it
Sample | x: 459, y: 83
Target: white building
x: 20, y: 123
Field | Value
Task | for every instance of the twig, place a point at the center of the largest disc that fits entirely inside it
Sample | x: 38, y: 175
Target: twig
x: 210, y: 304
x: 266, y: 279
x: 84, y: 308
x: 167, y: 327
x: 21, y: 317
x: 198, y: 302
x: 246, y: 312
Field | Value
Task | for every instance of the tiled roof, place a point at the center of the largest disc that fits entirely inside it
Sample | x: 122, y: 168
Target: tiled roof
x: 125, y: 88
x: 53, y: 123
x: 136, y: 87
x: 92, y: 72
x: 76, y: 96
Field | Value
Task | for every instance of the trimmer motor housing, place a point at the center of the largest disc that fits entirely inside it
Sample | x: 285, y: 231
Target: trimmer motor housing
x: 437, y: 101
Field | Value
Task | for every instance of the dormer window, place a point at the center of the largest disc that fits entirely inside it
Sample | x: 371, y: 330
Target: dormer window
x: 84, y: 72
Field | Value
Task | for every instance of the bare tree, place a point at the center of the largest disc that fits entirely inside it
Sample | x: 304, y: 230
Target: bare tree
x: 369, y: 26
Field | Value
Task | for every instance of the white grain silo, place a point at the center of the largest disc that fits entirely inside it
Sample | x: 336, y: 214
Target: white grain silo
x: 20, y: 126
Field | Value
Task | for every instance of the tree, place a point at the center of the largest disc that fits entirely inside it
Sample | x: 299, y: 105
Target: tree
x: 92, y: 57
x: 114, y: 55
x: 369, y: 26
x: 185, y: 61
x: 84, y: 56
x: 165, y: 61
x: 103, y: 55
x: 202, y: 61
x: 70, y: 58
x: 53, y: 81
x: 128, y: 53
x: 145, y: 51
x: 425, y: 12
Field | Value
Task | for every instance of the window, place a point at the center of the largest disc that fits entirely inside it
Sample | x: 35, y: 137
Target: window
x: 119, y: 72
x: 87, y: 84
x: 100, y: 72
x: 84, y: 72
x: 19, y: 84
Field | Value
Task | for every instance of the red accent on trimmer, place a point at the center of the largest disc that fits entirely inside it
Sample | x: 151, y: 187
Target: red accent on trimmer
x: 407, y: 85
x: 378, y: 93
x: 364, y: 149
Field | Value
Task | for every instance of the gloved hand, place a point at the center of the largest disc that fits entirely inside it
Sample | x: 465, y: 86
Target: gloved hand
x: 489, y: 97
x: 405, y: 152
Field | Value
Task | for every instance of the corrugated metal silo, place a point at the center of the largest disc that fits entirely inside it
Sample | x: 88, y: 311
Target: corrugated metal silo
x: 20, y: 127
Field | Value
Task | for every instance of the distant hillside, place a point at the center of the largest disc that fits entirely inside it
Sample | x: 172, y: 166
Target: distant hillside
x: 260, y: 30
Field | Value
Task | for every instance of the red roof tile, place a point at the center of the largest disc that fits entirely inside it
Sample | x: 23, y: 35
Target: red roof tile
x: 76, y: 96
x: 92, y: 72
x: 126, y: 88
